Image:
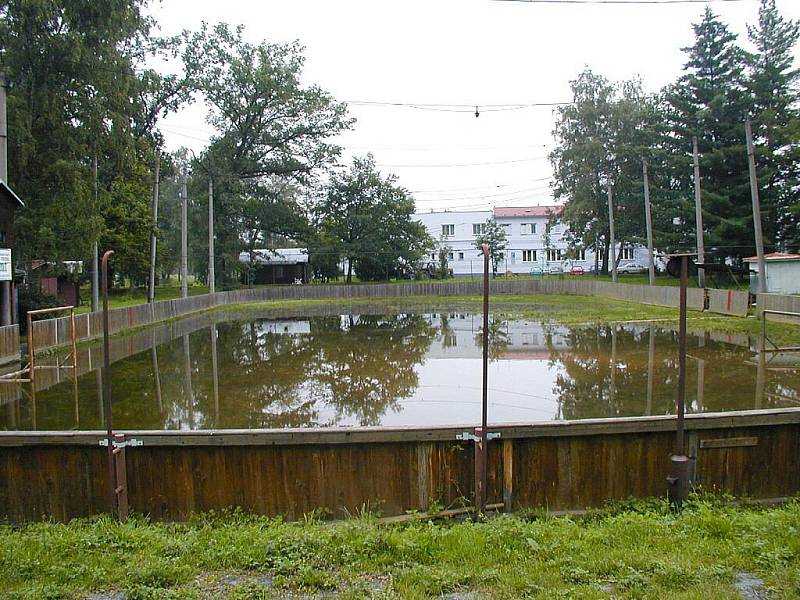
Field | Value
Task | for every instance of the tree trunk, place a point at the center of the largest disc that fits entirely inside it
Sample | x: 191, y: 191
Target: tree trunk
x: 349, y: 270
x: 604, y: 267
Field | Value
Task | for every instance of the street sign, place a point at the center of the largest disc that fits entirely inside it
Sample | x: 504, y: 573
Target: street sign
x: 6, y: 271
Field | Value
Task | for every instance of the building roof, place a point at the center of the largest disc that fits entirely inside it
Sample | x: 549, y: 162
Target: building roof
x: 526, y: 211
x: 6, y: 191
x: 276, y: 256
x: 774, y: 257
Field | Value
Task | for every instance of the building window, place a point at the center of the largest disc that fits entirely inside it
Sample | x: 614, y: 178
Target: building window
x: 433, y: 257
x: 460, y: 256
x: 553, y: 255
x: 527, y: 229
x: 449, y: 256
x: 529, y: 256
x: 627, y: 253
x: 448, y: 230
x: 582, y: 254
x: 478, y: 228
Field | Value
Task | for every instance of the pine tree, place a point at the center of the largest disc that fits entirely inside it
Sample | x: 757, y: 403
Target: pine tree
x: 710, y: 101
x: 776, y: 121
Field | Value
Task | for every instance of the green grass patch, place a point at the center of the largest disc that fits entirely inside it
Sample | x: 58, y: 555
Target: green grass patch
x: 637, y: 551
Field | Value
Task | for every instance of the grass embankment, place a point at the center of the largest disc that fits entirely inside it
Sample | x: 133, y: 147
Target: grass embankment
x: 138, y: 295
x: 647, y: 552
x: 119, y: 298
x: 554, y: 308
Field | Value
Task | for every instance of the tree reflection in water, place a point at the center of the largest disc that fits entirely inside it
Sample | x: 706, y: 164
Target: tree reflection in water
x: 324, y: 371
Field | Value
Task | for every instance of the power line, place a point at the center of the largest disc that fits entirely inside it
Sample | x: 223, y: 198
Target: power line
x: 457, y: 108
x: 618, y: 1
x: 479, y: 164
x: 480, y: 187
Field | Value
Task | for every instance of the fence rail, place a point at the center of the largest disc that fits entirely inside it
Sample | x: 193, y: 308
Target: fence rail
x: 559, y: 465
x: 780, y: 303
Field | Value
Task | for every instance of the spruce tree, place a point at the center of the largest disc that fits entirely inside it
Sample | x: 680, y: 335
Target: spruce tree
x: 776, y: 121
x: 710, y: 101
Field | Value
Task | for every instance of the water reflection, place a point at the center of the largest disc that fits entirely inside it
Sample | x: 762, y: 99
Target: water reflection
x: 397, y: 369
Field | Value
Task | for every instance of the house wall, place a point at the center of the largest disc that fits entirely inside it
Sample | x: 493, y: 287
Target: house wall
x: 466, y: 259
x: 783, y: 277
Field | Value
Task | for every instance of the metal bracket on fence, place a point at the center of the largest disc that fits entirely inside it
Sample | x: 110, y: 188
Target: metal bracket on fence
x: 471, y: 437
x: 131, y: 442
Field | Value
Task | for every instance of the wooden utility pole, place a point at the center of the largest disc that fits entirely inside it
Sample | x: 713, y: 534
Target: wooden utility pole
x: 184, y: 238
x: 5, y: 286
x: 651, y: 266
x: 210, y: 235
x: 751, y: 159
x: 698, y: 214
x: 612, y: 251
x: 151, y: 285
x: 95, y: 249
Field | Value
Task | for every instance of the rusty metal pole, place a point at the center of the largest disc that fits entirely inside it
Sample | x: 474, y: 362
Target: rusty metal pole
x: 679, y: 471
x: 112, y: 479
x: 31, y: 354
x: 481, y: 443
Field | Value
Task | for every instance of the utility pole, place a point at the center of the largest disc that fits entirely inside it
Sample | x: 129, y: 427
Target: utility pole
x: 210, y: 235
x: 151, y: 285
x: 751, y: 159
x: 612, y: 251
x: 5, y: 286
x: 95, y: 249
x: 698, y: 215
x: 184, y: 238
x: 651, y: 267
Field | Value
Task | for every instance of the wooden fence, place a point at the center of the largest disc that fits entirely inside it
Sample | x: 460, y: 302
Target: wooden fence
x: 779, y: 302
x: 50, y: 333
x: 9, y: 344
x: 554, y: 465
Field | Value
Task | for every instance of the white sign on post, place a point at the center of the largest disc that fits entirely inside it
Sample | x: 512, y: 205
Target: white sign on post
x: 5, y: 264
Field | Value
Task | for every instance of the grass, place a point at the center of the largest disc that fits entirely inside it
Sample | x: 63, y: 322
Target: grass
x: 121, y: 297
x: 640, y: 550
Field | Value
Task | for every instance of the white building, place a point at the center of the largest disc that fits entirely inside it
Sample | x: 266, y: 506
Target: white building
x: 782, y: 270
x: 533, y: 245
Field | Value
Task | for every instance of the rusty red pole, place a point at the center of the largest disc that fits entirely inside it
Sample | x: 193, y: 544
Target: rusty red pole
x: 112, y: 479
x: 481, y: 445
x: 679, y: 471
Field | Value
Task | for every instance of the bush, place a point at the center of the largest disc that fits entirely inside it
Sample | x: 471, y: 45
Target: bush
x: 31, y: 298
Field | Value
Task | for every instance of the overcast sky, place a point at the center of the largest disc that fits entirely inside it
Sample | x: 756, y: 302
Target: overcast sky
x: 457, y: 52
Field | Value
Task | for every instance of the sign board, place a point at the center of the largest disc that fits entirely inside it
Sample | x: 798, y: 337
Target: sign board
x: 6, y: 270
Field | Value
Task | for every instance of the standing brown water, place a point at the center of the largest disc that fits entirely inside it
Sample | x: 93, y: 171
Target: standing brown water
x: 401, y: 369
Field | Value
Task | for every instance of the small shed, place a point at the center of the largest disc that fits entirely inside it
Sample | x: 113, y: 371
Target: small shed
x: 60, y: 280
x: 783, y: 273
x: 281, y: 265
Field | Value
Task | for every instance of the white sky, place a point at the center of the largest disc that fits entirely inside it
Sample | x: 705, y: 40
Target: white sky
x: 457, y: 52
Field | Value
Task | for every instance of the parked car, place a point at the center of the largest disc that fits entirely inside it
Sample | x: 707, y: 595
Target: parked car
x: 631, y: 267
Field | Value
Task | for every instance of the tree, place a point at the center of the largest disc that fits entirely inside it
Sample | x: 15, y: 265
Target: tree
x: 601, y: 139
x: 493, y: 235
x: 273, y: 137
x: 776, y: 121
x: 444, y: 253
x: 369, y: 217
x: 710, y: 101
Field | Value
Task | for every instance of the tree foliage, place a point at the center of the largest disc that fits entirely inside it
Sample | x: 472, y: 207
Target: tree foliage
x: 369, y: 217
x: 493, y: 235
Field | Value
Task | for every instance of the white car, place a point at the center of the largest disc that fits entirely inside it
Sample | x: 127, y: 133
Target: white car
x: 631, y: 267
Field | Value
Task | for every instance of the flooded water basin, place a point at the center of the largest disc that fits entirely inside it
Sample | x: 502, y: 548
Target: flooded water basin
x: 410, y: 369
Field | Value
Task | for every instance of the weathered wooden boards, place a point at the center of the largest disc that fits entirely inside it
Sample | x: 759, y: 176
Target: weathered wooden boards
x: 558, y: 465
